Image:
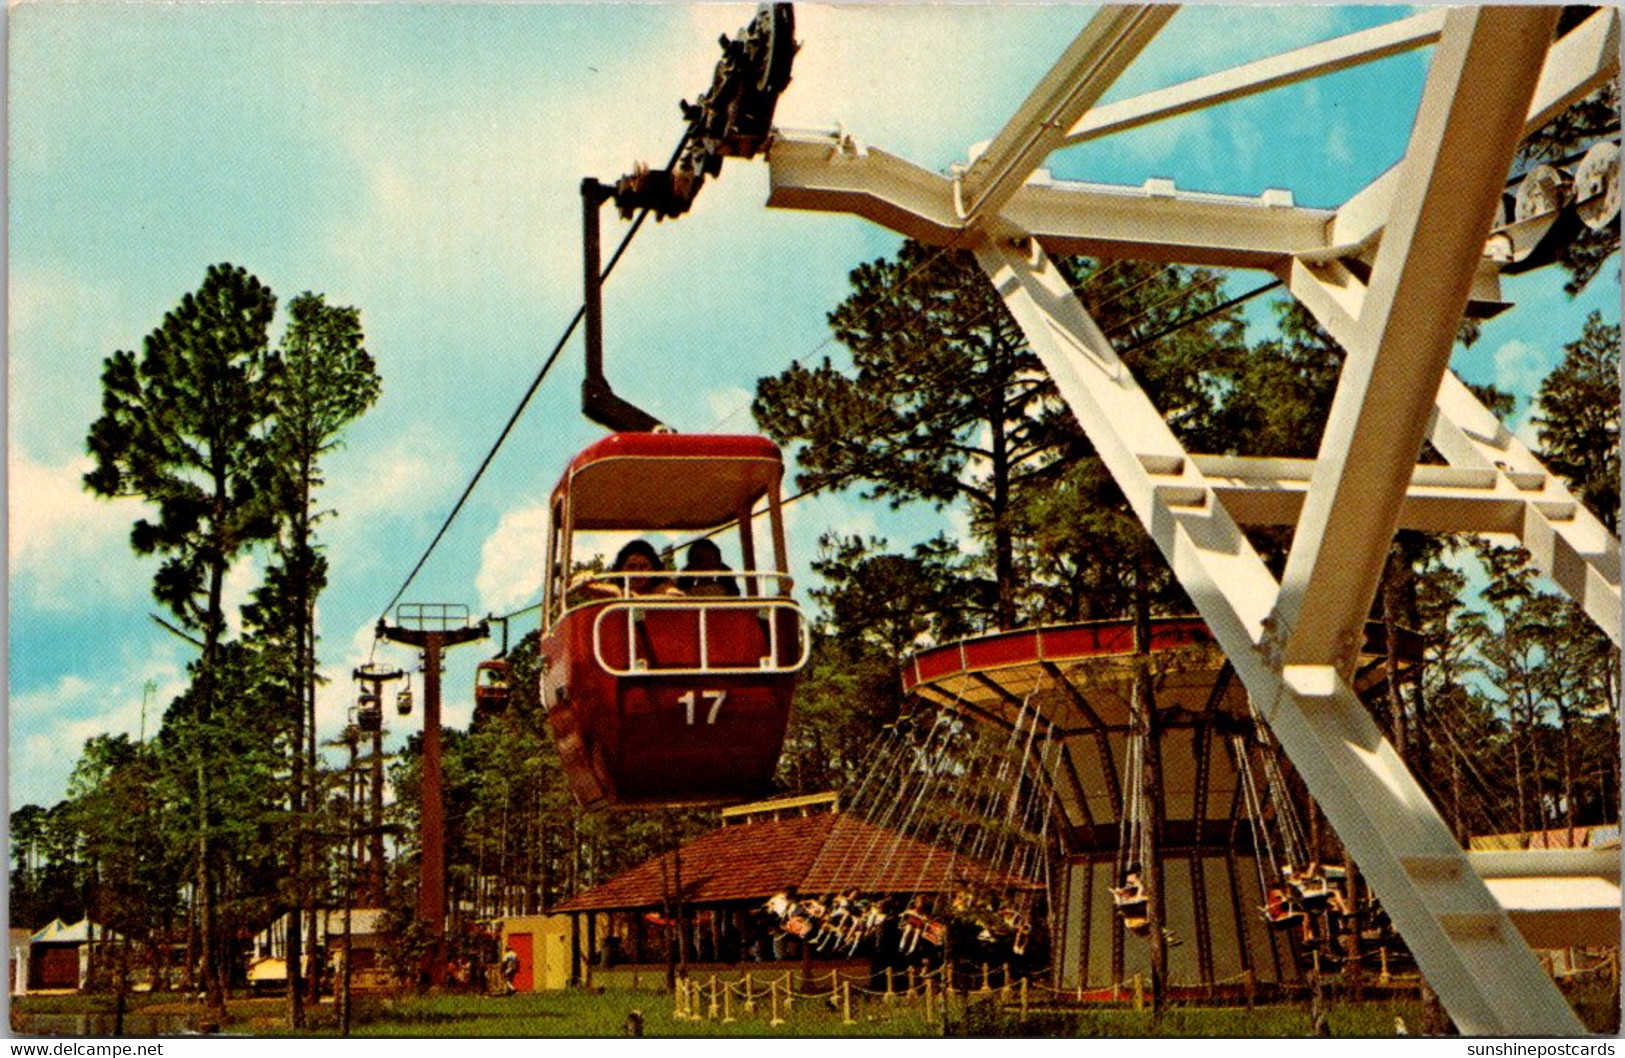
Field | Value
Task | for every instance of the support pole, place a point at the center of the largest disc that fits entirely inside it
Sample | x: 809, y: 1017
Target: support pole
x: 431, y: 906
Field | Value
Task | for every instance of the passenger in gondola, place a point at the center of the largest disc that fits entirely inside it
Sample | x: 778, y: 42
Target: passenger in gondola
x: 705, y: 557
x: 639, y: 556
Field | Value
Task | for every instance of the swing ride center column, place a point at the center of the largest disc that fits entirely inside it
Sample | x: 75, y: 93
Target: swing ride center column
x: 431, y: 911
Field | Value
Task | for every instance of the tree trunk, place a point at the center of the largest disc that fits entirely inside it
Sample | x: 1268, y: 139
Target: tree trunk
x: 1391, y: 602
x: 1004, y: 560
x: 208, y: 936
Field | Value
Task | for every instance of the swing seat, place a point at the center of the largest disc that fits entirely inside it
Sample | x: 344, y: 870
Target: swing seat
x: 935, y: 932
x: 1134, y: 907
x: 799, y: 926
x: 1282, y: 918
x: 1314, y: 901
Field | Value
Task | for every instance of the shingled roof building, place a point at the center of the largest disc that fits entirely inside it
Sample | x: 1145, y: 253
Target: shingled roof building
x: 717, y: 884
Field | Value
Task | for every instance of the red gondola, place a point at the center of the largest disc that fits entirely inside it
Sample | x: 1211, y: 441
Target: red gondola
x: 491, y: 686
x: 669, y: 686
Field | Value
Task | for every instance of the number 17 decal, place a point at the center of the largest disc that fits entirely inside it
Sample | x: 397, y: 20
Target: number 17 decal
x: 689, y: 700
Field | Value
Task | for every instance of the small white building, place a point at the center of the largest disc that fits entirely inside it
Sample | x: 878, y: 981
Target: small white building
x: 58, y: 956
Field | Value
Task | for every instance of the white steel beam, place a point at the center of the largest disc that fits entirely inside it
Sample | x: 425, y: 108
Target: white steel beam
x: 1440, y: 499
x: 1399, y: 340
x: 1089, y: 66
x: 1558, y: 898
x: 1576, y: 551
x: 835, y: 173
x: 1462, y: 938
x: 1315, y: 60
x: 1577, y: 65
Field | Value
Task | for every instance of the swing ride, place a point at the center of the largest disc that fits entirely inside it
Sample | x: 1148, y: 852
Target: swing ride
x: 1217, y: 846
x: 660, y: 687
x: 940, y: 856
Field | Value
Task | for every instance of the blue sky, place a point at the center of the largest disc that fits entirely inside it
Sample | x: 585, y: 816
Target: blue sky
x: 421, y: 163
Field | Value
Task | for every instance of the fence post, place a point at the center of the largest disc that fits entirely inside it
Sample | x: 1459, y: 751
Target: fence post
x: 789, y: 993
x: 713, y: 1011
x: 911, y: 980
x: 750, y: 1000
x: 1383, y: 953
x: 727, y: 1002
x: 889, y: 994
x: 1024, y: 999
x: 773, y: 991
x: 928, y: 1017
x: 846, y: 1002
x: 985, y: 988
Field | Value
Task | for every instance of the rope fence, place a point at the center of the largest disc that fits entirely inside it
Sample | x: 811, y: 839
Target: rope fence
x: 776, y: 995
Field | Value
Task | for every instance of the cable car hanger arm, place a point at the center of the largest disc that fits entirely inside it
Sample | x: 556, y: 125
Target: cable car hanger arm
x: 733, y: 119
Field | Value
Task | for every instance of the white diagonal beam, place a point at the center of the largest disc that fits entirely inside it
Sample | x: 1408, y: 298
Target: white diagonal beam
x: 1577, y: 551
x: 1470, y: 120
x: 1577, y: 65
x: 832, y: 173
x: 1277, y: 71
x: 1490, y: 982
x: 1089, y: 66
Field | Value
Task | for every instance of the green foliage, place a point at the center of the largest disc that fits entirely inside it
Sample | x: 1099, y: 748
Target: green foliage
x: 1578, y: 418
x: 181, y: 428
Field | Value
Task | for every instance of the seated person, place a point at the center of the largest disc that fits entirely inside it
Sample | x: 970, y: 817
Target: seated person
x: 1276, y: 906
x: 1131, y: 893
x: 639, y: 556
x: 705, y: 556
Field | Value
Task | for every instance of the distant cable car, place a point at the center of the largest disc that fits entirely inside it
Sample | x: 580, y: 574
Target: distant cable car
x: 403, y: 702
x: 369, y: 716
x: 491, y: 686
x: 669, y: 686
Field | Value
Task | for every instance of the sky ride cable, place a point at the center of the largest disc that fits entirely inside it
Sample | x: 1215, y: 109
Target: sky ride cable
x: 524, y: 401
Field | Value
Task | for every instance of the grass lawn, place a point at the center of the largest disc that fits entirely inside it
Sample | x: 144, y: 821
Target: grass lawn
x: 577, y: 1013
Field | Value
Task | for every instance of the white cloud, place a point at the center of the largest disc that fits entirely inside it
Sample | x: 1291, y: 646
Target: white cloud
x: 1519, y: 368
x: 237, y: 591
x: 60, y: 330
x: 511, y: 560
x: 49, y: 725
x: 404, y: 472
x: 730, y: 410
x: 66, y: 546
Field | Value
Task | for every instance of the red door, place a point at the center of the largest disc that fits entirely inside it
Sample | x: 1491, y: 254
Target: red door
x: 523, y: 981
